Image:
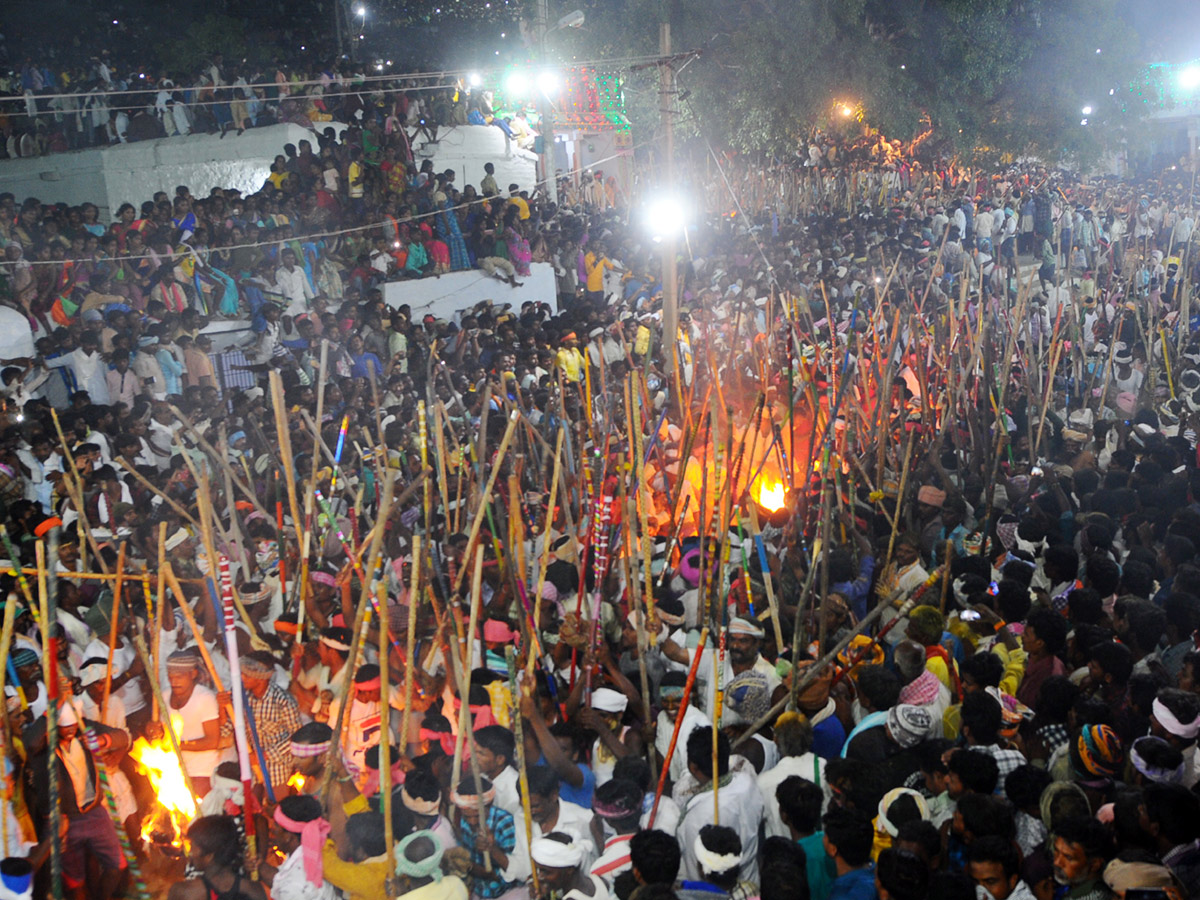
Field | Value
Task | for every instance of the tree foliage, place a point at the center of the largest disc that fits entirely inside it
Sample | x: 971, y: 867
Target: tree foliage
x: 213, y: 34
x: 984, y: 76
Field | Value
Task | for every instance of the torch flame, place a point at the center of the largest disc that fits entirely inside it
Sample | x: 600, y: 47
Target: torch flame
x: 297, y: 782
x: 771, y: 495
x: 176, y: 804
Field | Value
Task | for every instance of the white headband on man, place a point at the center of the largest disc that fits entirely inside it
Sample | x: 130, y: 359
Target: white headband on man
x: 1167, y: 719
x: 715, y: 863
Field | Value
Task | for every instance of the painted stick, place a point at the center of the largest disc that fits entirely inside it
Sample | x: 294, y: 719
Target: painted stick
x: 239, y: 711
x: 385, y: 742
x: 687, y: 693
x: 410, y: 640
x: 361, y: 617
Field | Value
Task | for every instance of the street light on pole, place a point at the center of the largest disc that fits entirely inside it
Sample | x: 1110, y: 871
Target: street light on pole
x: 547, y: 82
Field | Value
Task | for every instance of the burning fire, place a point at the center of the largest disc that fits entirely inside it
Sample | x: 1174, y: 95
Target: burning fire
x: 176, y: 806
x: 297, y: 782
x: 771, y: 495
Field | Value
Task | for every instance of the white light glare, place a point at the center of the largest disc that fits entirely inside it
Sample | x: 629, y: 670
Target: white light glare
x: 665, y: 216
x: 474, y: 80
x: 1083, y: 121
x: 517, y: 84
x: 360, y: 10
x: 1189, y: 78
x: 547, y: 82
x: 1087, y: 110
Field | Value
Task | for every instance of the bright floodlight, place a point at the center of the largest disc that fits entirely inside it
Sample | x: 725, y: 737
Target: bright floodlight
x: 360, y: 10
x: 474, y: 80
x: 1087, y: 110
x: 547, y: 82
x: 665, y: 216
x: 847, y: 111
x: 517, y: 84
x: 1189, y: 78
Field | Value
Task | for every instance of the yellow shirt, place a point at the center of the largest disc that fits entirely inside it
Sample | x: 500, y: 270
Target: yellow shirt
x: 355, y: 173
x: 521, y: 205
x: 357, y: 880
x: 595, y: 271
x: 571, y: 362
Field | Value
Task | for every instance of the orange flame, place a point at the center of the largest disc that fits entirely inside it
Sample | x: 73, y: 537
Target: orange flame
x: 177, y: 807
x: 771, y: 495
x: 297, y: 782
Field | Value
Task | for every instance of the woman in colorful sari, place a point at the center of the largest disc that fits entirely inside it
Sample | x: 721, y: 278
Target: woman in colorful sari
x: 449, y: 231
x: 518, y: 245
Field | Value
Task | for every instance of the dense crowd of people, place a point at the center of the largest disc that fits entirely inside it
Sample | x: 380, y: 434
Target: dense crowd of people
x: 954, y: 655
x: 47, y: 108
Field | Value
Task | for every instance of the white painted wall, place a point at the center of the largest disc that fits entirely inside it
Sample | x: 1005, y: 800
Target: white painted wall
x: 466, y: 148
x: 16, y: 337
x: 461, y: 290
x: 110, y: 176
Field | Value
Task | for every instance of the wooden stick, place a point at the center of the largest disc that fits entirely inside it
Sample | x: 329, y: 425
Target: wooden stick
x: 813, y: 671
x: 361, y: 617
x: 463, y: 710
x: 385, y: 743
x: 162, y: 593
x: 114, y: 630
x: 756, y: 534
x: 912, y: 436
x: 48, y: 589
x: 547, y: 530
x: 141, y: 479
x: 283, y: 435
x: 410, y: 640
x: 480, y: 512
x: 522, y: 769
x: 198, y: 633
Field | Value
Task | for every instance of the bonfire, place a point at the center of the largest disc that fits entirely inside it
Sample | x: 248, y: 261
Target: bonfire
x: 176, y: 807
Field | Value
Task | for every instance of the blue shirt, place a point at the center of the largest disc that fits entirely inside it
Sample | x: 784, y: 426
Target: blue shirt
x: 582, y: 795
x: 857, y: 884
x: 500, y: 824
x: 363, y: 363
x: 819, y: 866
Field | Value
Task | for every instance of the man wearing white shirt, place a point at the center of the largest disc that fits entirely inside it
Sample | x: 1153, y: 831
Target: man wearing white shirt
x: 292, y: 282
x: 550, y: 813
x: 496, y: 748
x: 743, y: 641
x: 89, y: 368
x: 740, y: 804
x: 794, y: 737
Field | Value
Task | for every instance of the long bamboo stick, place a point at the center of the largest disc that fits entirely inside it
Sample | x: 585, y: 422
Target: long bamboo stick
x: 114, y: 630
x: 361, y: 617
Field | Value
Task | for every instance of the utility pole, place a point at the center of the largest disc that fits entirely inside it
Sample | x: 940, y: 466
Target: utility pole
x: 545, y: 107
x: 337, y: 24
x: 666, y: 94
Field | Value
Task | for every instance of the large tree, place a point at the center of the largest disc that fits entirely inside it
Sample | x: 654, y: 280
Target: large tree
x: 983, y: 76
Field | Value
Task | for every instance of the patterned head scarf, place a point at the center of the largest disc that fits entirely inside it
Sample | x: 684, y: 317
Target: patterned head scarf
x: 1097, y: 751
